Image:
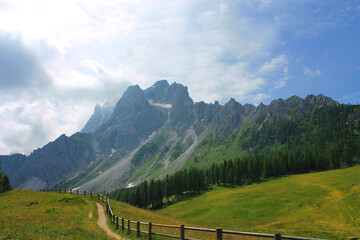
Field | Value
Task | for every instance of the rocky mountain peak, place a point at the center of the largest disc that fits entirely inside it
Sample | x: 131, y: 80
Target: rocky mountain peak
x: 133, y: 99
x: 174, y: 94
x: 320, y: 100
x: 162, y: 84
x: 99, y: 117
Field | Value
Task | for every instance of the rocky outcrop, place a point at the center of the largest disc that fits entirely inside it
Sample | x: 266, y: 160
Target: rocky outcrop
x: 100, y: 116
x: 133, y: 120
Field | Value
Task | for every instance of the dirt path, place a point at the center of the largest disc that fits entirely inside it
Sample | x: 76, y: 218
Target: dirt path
x: 102, y: 223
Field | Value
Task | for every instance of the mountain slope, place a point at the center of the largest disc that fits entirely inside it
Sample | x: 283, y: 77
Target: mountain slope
x: 48, y: 165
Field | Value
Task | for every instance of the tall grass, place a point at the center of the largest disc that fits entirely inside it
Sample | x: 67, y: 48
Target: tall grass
x: 39, y: 215
x: 322, y: 205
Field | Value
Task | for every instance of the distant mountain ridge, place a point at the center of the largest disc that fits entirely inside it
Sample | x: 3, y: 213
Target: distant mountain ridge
x: 148, y: 134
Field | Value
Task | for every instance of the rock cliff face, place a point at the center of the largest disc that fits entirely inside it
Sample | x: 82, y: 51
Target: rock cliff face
x: 100, y: 116
x: 133, y: 120
x: 50, y: 164
x: 160, y: 125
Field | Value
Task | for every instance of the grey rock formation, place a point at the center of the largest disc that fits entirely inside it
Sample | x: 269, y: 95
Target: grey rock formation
x: 100, y: 116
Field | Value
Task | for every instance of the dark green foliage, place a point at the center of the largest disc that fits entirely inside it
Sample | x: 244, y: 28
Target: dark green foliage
x: 4, y: 183
x: 146, y: 152
x: 151, y: 195
x: 177, y: 151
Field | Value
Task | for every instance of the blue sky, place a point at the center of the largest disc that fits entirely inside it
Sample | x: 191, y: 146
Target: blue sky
x: 59, y: 58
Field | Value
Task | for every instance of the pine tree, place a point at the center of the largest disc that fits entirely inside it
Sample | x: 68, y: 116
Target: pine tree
x: 238, y: 172
x: 137, y: 198
x: 230, y: 177
x: 223, y: 172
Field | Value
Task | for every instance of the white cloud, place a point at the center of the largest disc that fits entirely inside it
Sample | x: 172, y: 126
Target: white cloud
x: 223, y: 8
x: 258, y: 98
x: 311, y: 73
x: 274, y: 64
x: 276, y: 68
x: 27, y: 124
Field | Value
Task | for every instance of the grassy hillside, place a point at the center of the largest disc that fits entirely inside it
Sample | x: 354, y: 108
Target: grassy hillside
x: 322, y: 205
x: 38, y: 215
x: 129, y: 212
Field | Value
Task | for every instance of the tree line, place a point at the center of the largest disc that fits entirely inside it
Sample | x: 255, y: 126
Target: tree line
x: 4, y: 182
x: 326, y: 139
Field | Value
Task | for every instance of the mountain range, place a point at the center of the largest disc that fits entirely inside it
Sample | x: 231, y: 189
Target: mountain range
x: 153, y: 132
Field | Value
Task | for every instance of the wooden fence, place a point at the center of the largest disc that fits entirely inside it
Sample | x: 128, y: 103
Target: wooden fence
x: 123, y: 223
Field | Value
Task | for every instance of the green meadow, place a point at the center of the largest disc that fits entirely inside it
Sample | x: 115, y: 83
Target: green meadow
x: 26, y: 214
x: 320, y: 205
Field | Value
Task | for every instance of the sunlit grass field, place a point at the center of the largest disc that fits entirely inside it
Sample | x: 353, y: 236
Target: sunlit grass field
x: 321, y: 205
x: 39, y: 215
x: 129, y: 212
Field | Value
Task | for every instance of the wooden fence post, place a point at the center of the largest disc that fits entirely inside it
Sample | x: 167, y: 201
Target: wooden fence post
x: 219, y: 234
x: 277, y: 236
x: 129, y: 226
x: 117, y: 222
x: 98, y: 196
x: 77, y: 191
x: 65, y: 190
x: 122, y: 224
x: 149, y: 231
x: 70, y: 191
x: 182, y: 232
x: 84, y: 193
x: 138, y: 229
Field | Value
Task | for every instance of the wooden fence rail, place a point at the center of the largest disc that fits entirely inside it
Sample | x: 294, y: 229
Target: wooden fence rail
x: 125, y: 223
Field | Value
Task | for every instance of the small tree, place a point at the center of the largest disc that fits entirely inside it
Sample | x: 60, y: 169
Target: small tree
x: 6, y: 183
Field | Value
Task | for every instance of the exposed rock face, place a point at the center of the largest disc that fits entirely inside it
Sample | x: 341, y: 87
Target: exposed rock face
x: 293, y: 107
x: 115, y: 134
x: 100, y: 116
x: 133, y: 120
x: 51, y: 163
x: 174, y: 94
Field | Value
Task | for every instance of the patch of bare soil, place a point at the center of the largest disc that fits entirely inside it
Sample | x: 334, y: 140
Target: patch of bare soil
x: 103, y: 224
